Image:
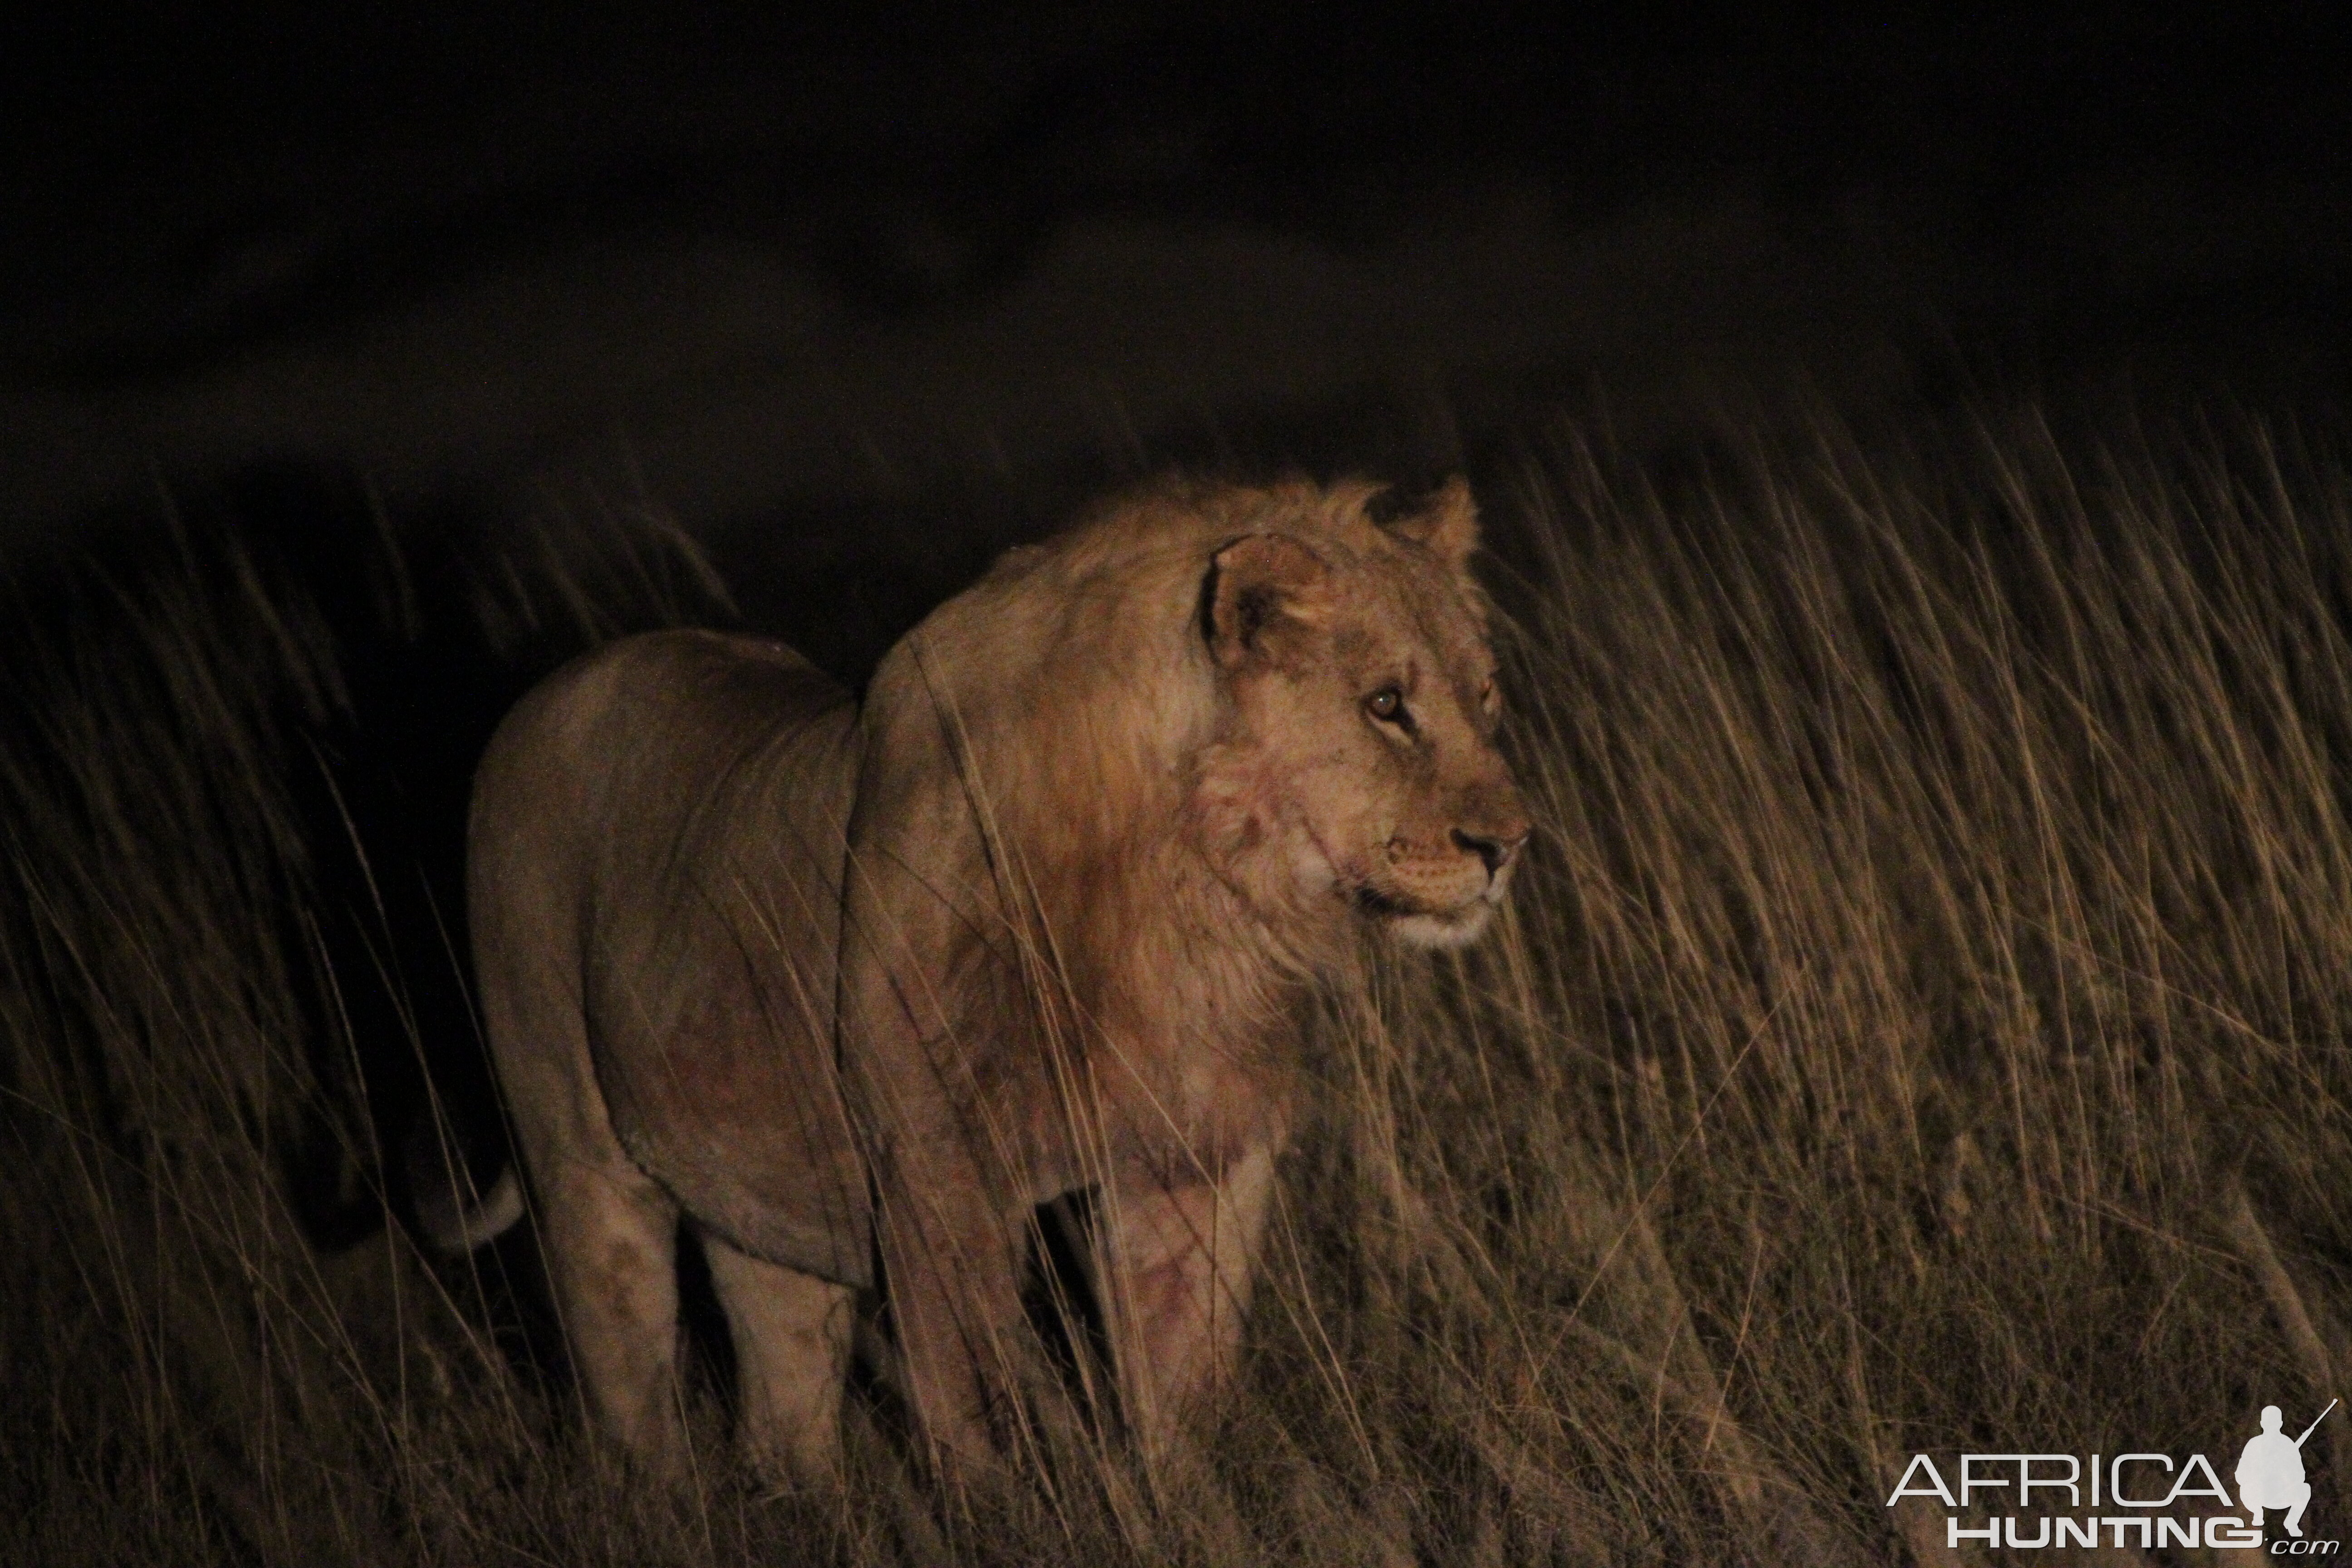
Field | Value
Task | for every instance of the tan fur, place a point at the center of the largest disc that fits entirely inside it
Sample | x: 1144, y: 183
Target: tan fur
x: 1103, y: 820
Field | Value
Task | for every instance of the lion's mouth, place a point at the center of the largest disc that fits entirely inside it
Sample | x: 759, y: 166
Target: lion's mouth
x: 1377, y: 904
x: 1383, y: 906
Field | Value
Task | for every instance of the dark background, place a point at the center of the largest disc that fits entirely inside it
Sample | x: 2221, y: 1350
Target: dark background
x: 838, y: 282
x: 341, y: 347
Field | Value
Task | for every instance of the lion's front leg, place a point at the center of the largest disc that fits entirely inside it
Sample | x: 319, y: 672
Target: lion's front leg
x: 1172, y: 1272
x: 950, y: 1263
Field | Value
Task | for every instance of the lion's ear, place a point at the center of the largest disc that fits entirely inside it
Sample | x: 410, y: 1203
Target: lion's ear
x: 1446, y: 523
x: 1260, y: 590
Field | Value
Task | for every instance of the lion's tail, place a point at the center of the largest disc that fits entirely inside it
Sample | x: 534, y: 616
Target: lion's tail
x: 453, y: 1215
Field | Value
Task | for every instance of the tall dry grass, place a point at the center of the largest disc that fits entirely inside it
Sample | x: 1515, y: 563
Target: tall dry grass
x: 1918, y: 1031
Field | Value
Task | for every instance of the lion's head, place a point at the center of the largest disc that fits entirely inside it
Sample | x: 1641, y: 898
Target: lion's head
x: 1355, y: 769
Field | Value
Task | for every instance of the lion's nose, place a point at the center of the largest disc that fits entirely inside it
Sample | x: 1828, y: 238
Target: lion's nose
x: 1495, y: 851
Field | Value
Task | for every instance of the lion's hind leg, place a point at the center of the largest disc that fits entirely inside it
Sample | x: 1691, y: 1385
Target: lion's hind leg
x: 611, y: 1239
x: 792, y: 1333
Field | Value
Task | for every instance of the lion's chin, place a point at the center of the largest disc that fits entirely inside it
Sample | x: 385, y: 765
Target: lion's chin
x: 1416, y: 925
x: 1457, y: 928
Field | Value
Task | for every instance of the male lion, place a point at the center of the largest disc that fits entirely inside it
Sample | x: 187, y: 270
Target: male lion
x: 845, y: 987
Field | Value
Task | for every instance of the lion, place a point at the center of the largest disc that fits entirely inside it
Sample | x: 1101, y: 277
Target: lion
x: 854, y: 989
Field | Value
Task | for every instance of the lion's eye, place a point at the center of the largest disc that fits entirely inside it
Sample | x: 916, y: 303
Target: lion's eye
x: 1387, y: 705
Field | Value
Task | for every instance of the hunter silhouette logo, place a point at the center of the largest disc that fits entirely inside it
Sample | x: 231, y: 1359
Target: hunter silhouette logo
x: 2269, y: 1472
x: 2143, y: 1500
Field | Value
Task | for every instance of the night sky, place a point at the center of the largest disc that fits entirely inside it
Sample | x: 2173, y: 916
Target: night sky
x: 862, y: 264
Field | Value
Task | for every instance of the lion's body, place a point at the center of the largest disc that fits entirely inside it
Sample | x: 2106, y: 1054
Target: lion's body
x: 709, y: 1005
x: 1035, y: 922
